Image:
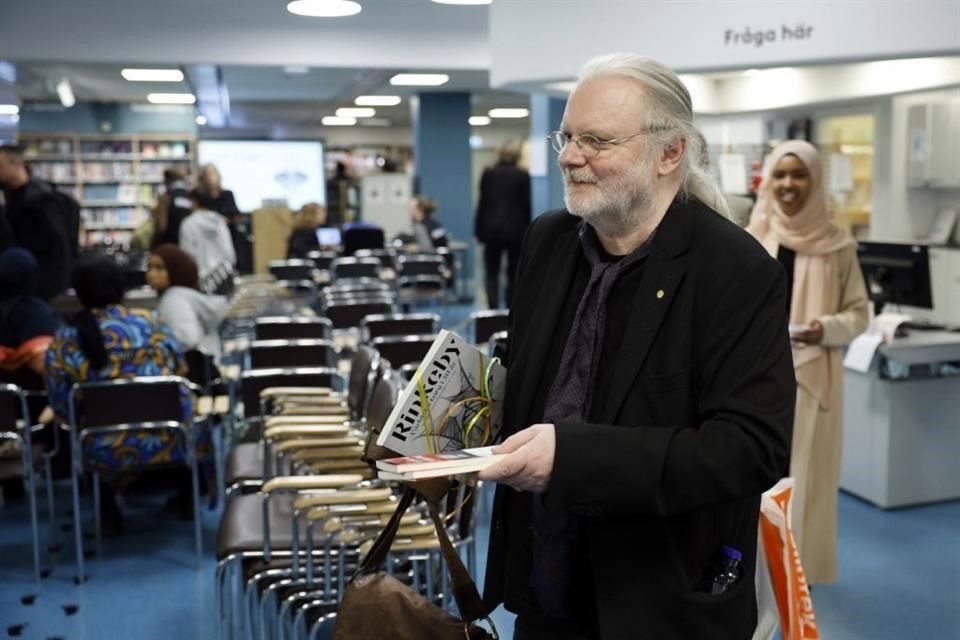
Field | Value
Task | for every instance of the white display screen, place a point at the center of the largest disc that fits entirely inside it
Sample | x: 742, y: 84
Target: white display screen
x: 267, y: 172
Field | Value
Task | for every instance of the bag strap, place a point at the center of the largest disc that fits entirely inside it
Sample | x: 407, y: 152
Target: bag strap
x: 465, y: 592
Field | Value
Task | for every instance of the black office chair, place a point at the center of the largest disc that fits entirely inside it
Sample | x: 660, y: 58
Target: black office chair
x: 401, y: 350
x: 273, y: 354
x: 121, y: 405
x: 292, y: 328
x: 399, y: 324
x: 350, y: 268
x: 356, y: 238
x: 15, y: 425
x: 346, y: 314
x: 293, y: 269
x: 486, y: 323
x: 322, y: 259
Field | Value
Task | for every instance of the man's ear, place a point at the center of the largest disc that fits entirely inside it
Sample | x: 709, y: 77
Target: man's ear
x: 671, y: 156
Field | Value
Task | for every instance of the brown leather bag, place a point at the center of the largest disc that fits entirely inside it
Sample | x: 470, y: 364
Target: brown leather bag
x: 377, y: 606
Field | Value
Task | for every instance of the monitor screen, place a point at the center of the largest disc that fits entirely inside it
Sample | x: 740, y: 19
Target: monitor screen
x: 896, y: 274
x: 268, y: 172
x: 329, y: 237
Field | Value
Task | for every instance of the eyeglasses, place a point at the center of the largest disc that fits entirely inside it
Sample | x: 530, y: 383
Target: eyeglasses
x: 590, y: 146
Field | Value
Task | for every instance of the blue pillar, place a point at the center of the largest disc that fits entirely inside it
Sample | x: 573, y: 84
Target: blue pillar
x: 546, y: 182
x: 441, y: 138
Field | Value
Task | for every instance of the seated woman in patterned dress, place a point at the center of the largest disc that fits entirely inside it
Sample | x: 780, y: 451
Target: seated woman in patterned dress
x: 107, y: 340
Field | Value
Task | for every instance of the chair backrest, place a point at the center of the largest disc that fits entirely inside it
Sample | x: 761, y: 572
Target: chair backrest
x: 399, y: 324
x: 384, y: 396
x: 287, y: 328
x: 355, y: 238
x: 13, y: 406
x: 292, y: 269
x: 419, y: 265
x: 498, y: 346
x: 322, y: 259
x: 273, y: 354
x: 108, y: 403
x: 401, y: 350
x: 200, y: 367
x: 434, y: 283
x: 253, y: 381
x: 387, y: 257
x: 487, y: 323
x: 346, y: 314
x: 355, y: 268
x: 357, y: 287
x: 364, y: 367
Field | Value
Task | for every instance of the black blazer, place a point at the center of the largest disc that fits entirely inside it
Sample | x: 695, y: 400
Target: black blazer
x: 697, y: 426
x: 503, y: 207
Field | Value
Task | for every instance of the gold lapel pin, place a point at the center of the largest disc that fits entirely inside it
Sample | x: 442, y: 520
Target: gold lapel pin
x: 659, y: 294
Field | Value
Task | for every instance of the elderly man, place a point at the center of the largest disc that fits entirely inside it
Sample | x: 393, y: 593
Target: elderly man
x: 649, y: 352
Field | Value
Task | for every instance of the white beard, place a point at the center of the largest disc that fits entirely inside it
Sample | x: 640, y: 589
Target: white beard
x: 618, y: 208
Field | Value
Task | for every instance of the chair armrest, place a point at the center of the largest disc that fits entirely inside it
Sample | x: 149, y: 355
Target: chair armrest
x: 358, y: 497
x: 328, y: 411
x: 306, y: 483
x: 310, y: 443
x: 337, y: 465
x: 415, y: 544
x: 331, y: 430
x: 308, y: 421
x: 310, y: 392
x: 324, y: 453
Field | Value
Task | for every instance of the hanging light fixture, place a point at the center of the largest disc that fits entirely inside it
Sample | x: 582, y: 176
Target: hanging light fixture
x: 324, y: 8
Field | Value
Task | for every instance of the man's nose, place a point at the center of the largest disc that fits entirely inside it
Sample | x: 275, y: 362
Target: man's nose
x: 571, y: 156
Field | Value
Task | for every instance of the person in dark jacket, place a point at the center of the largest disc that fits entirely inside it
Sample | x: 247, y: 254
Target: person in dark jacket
x: 650, y: 389
x: 303, y: 239
x: 173, y: 205
x: 503, y: 214
x: 37, y: 222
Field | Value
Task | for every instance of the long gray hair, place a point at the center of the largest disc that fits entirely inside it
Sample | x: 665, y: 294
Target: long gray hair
x: 670, y: 116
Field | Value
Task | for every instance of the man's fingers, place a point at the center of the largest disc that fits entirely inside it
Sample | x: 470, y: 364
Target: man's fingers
x: 506, y: 468
x: 515, y: 441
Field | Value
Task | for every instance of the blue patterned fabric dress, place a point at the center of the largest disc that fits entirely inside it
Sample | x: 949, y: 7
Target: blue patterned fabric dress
x: 138, y: 343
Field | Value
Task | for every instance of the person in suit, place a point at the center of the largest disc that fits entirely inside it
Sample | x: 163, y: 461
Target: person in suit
x: 650, y: 387
x: 503, y: 214
x: 828, y: 302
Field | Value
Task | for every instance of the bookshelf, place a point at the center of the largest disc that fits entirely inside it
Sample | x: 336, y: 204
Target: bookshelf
x: 115, y: 178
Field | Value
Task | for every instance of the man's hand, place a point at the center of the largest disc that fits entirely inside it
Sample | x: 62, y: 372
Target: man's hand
x: 529, y: 462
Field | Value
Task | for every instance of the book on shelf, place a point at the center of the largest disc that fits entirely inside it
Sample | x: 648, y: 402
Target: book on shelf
x: 435, y: 465
x: 454, y: 401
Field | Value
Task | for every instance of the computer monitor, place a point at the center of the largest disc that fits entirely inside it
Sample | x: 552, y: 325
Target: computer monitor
x: 329, y: 237
x: 896, y: 274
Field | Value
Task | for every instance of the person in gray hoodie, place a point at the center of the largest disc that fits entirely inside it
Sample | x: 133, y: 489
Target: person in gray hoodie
x: 205, y: 236
x: 194, y: 316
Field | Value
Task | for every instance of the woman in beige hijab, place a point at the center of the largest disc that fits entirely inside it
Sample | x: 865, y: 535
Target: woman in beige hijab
x: 827, y: 309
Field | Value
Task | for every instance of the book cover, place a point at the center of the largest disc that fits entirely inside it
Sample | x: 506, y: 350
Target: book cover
x: 454, y: 401
x: 447, y: 459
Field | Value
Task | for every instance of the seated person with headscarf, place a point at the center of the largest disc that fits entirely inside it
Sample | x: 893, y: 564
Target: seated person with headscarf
x: 106, y: 340
x: 193, y: 316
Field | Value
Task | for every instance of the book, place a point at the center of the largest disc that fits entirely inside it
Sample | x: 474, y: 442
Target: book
x: 463, y: 389
x: 434, y: 465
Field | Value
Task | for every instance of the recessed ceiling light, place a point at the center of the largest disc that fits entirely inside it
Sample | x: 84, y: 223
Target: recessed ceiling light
x: 9, y: 109
x: 376, y: 122
x: 152, y: 75
x: 201, y: 120
x: 419, y: 79
x: 377, y: 101
x: 296, y: 69
x: 463, y: 1
x: 479, y: 121
x: 324, y: 8
x: 356, y: 112
x: 508, y: 113
x: 751, y: 72
x: 171, y: 98
x: 338, y: 121
x: 65, y: 93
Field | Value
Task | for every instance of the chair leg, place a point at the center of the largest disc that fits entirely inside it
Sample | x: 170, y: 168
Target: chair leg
x: 197, y: 532
x: 53, y: 544
x: 77, y: 531
x: 29, y: 485
x: 97, y: 524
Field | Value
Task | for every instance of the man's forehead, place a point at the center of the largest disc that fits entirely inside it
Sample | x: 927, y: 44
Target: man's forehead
x: 607, y: 102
